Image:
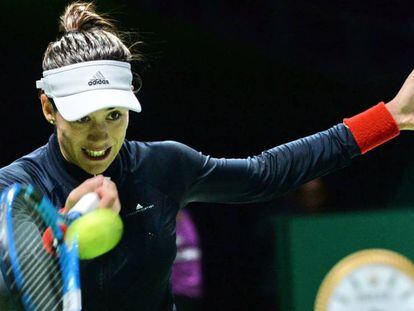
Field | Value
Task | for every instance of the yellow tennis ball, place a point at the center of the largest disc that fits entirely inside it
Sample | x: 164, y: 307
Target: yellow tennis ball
x: 96, y: 232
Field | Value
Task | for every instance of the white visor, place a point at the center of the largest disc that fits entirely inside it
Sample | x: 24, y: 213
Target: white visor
x: 83, y: 88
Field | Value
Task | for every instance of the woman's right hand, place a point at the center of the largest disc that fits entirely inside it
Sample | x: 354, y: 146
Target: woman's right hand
x: 103, y: 186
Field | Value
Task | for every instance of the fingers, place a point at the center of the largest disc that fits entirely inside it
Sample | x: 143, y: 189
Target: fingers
x: 89, y: 185
x: 103, y: 186
x: 109, y: 195
x: 411, y: 76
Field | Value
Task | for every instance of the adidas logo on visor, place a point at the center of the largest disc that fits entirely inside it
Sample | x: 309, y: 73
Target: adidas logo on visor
x: 98, y: 78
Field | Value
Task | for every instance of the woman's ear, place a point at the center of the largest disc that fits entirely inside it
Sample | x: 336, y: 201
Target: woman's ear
x: 47, y: 109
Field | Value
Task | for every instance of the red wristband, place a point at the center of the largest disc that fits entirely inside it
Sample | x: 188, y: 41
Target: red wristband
x: 372, y: 127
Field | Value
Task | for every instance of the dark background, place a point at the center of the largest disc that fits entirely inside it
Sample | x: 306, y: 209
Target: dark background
x: 232, y: 78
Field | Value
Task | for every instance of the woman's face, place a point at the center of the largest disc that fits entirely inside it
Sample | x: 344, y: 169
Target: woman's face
x: 93, y: 142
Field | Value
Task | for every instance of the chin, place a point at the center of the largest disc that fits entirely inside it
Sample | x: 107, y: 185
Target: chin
x: 95, y: 171
x: 98, y: 168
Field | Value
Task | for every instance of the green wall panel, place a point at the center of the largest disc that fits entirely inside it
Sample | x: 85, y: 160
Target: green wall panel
x: 308, y: 247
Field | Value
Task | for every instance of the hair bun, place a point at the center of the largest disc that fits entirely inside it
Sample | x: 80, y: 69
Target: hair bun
x: 80, y: 16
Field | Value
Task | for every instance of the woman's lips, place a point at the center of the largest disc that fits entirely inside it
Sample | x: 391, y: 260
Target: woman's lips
x: 96, y: 154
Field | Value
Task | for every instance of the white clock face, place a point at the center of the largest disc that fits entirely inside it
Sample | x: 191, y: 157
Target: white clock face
x: 373, y: 287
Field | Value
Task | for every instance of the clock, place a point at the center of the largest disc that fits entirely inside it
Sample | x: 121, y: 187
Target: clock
x: 368, y: 280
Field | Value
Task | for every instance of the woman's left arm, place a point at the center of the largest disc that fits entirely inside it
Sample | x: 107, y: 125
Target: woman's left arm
x: 271, y: 173
x: 287, y: 166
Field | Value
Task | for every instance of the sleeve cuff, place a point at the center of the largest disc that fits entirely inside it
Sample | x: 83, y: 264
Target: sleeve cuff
x: 372, y: 127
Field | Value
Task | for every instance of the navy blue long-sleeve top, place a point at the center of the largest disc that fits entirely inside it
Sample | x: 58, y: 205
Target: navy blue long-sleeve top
x: 156, y: 179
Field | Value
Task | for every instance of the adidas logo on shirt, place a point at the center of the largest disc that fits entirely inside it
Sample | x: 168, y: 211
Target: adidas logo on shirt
x: 98, y: 78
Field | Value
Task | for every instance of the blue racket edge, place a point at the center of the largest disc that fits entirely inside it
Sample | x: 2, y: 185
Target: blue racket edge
x: 67, y: 254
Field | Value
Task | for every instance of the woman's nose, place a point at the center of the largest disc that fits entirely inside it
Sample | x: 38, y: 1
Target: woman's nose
x: 98, y: 132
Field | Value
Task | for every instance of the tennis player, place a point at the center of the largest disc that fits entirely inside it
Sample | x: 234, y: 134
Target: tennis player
x: 87, y: 95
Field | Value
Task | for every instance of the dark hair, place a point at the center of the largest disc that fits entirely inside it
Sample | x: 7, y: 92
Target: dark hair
x: 86, y: 36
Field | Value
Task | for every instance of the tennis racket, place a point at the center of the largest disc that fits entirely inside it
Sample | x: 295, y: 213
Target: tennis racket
x: 38, y: 279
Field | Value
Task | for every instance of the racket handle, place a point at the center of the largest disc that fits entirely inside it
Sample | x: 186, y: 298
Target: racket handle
x: 87, y: 203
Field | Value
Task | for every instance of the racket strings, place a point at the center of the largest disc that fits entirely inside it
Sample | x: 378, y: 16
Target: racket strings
x: 43, y: 286
x: 38, y: 281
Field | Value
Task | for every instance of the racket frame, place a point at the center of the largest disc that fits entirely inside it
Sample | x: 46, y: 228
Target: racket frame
x: 67, y: 254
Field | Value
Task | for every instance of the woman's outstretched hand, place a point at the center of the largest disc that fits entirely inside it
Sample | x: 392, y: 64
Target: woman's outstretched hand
x: 402, y: 105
